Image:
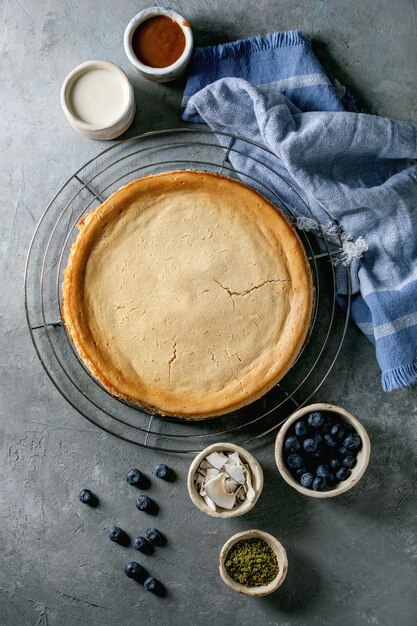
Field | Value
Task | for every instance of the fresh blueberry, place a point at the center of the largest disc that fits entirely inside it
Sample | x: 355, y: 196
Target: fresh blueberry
x: 88, y: 497
x: 332, y: 482
x: 292, y: 444
x: 330, y: 440
x: 335, y: 429
x: 335, y: 463
x: 154, y: 586
x: 349, y: 461
x: 136, y: 571
x: 294, y: 461
x: 343, y: 473
x: 341, y: 434
x: 349, y: 428
x: 306, y: 480
x: 318, y: 438
x: 163, y: 471
x: 118, y: 535
x: 315, y: 419
x: 143, y: 545
x: 339, y: 430
x: 155, y: 536
x: 343, y: 451
x: 352, y: 441
x: 300, y: 428
x: 328, y: 424
x: 319, y: 483
x: 137, y: 479
x: 324, y: 471
x: 145, y: 503
x: 309, y: 445
x: 300, y: 472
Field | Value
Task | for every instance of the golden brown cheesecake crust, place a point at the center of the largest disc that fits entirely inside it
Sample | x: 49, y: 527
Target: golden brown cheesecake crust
x: 188, y: 294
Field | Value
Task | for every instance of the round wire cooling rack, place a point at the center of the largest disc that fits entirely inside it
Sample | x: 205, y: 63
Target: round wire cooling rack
x: 150, y: 153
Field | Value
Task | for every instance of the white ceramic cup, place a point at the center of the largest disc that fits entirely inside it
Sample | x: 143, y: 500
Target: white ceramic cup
x: 159, y: 74
x: 99, y: 131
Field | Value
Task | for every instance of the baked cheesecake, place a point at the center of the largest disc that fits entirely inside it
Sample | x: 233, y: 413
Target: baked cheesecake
x: 187, y: 294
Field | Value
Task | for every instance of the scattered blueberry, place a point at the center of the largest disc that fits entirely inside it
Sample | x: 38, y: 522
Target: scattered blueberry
x: 352, y: 441
x: 343, y: 473
x: 306, y: 480
x: 143, y: 545
x: 155, y: 536
x: 137, y: 479
x: 335, y: 463
x: 300, y: 429
x: 330, y: 440
x: 319, y: 483
x: 309, y: 445
x: 295, y: 461
x: 136, y: 571
x: 88, y: 497
x: 118, y: 535
x: 349, y: 461
x: 292, y: 444
x: 145, y: 503
x: 316, y: 419
x: 163, y: 471
x: 154, y: 586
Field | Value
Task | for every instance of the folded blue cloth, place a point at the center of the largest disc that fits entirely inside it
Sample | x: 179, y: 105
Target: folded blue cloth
x: 355, y: 172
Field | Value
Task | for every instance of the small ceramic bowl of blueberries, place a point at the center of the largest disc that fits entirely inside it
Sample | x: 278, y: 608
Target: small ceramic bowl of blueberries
x: 322, y: 450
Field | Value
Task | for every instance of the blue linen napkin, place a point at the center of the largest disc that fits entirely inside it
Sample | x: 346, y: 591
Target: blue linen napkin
x: 355, y: 172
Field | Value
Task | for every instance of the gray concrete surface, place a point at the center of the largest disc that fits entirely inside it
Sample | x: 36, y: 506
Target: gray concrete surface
x: 352, y: 561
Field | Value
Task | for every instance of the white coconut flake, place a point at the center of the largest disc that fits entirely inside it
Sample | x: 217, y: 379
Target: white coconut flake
x: 235, y: 472
x: 212, y: 472
x: 250, y: 494
x: 235, y: 458
x: 230, y: 485
x: 217, y: 459
x: 216, y: 491
x: 209, y: 503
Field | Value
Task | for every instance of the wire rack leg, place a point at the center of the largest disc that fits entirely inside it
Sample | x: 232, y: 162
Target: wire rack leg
x: 148, y: 429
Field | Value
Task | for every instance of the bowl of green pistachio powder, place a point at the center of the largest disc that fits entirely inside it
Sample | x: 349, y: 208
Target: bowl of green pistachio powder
x: 253, y: 562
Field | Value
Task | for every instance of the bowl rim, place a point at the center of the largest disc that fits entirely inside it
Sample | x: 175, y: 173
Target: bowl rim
x: 279, y: 551
x: 83, y: 68
x: 145, y: 15
x: 257, y: 481
x: 357, y: 472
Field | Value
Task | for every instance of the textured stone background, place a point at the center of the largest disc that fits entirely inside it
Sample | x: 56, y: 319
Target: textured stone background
x: 352, y: 560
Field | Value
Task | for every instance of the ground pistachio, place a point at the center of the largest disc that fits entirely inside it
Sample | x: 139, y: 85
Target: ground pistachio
x: 252, y: 563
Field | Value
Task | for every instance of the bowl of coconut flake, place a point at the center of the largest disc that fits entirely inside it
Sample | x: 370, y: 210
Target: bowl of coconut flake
x: 225, y: 480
